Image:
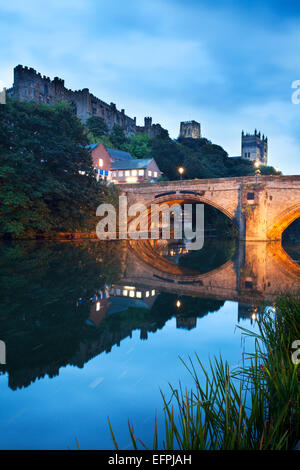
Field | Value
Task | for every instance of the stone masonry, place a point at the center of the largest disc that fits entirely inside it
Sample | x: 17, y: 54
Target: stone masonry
x: 30, y: 85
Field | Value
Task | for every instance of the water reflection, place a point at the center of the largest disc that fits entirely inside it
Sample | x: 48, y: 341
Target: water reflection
x: 65, y: 303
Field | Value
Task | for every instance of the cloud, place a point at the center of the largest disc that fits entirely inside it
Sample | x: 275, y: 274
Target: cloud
x: 227, y: 65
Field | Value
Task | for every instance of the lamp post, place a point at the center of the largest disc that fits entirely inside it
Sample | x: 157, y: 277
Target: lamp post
x: 181, y: 171
x: 257, y: 171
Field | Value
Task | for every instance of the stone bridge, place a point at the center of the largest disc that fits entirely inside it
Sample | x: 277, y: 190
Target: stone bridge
x: 261, y: 208
x: 257, y: 273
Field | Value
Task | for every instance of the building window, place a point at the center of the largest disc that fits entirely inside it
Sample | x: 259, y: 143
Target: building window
x: 155, y: 174
x: 149, y: 173
x: 127, y: 173
x: 139, y: 295
x: 133, y: 173
x: 141, y: 172
x: 120, y: 173
x: 250, y: 196
x: 100, y: 162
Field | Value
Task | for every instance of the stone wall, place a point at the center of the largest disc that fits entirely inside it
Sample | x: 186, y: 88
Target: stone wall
x: 29, y: 85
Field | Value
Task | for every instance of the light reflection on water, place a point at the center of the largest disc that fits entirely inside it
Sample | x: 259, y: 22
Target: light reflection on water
x: 96, y: 329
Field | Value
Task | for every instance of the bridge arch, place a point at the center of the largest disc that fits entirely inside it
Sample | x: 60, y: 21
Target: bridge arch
x: 189, y: 197
x: 283, y: 220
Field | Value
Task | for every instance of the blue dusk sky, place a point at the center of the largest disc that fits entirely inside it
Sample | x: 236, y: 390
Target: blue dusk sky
x: 226, y: 64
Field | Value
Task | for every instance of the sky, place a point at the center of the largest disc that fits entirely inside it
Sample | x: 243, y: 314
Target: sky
x: 227, y: 64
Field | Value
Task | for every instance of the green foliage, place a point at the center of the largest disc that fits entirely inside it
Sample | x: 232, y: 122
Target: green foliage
x: 139, y: 146
x: 42, y: 152
x: 97, y: 126
x: 269, y: 170
x: 118, y: 137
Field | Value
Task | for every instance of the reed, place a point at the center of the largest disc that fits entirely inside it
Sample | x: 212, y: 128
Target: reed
x: 255, y: 406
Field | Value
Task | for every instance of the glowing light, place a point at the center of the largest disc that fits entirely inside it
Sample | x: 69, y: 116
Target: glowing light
x: 180, y: 170
x: 98, y: 306
x: 131, y: 179
x: 178, y: 304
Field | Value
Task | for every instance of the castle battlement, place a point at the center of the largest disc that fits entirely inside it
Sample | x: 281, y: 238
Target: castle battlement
x: 190, y: 129
x: 30, y: 85
x: 255, y: 147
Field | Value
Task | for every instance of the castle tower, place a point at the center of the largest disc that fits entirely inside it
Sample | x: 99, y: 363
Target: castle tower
x: 255, y: 147
x: 190, y: 129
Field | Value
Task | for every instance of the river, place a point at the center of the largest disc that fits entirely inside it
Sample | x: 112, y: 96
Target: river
x: 96, y: 329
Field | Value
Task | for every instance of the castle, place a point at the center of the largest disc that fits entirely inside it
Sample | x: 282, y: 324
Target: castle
x: 32, y: 86
x: 255, y: 147
x: 190, y: 129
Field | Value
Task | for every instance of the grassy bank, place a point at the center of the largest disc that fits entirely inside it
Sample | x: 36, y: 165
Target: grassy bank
x: 256, y: 406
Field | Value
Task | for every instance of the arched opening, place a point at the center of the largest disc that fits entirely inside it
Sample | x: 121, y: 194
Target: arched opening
x: 283, y: 221
x: 291, y: 240
x: 172, y: 256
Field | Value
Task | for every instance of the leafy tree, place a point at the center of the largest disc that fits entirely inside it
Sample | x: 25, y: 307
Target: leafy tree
x: 139, y: 146
x: 118, y: 137
x: 269, y: 170
x: 97, y: 126
x: 47, y: 179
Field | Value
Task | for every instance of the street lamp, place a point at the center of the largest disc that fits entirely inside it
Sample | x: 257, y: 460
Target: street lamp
x: 181, y: 171
x: 257, y: 172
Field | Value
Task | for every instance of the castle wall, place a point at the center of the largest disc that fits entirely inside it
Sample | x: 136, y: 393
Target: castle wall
x: 30, y: 85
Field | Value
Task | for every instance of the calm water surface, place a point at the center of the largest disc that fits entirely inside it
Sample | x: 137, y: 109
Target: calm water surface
x: 95, y: 329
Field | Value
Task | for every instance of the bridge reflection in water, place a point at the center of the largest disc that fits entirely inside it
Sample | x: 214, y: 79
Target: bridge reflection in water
x: 154, y: 282
x: 255, y: 275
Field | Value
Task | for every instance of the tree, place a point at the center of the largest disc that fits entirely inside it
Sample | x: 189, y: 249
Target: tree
x: 47, y: 179
x: 139, y: 146
x: 118, y: 137
x: 97, y: 126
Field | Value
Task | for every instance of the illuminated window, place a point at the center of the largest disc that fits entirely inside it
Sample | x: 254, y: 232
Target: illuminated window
x: 120, y: 173
x: 100, y: 162
x: 149, y: 173
x: 147, y: 293
x: 98, y: 306
x: 133, y: 173
x: 131, y: 293
x: 141, y: 172
x: 153, y: 292
x: 125, y: 292
x: 114, y: 174
x: 118, y: 292
x: 139, y: 295
x: 155, y: 174
x: 127, y: 173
